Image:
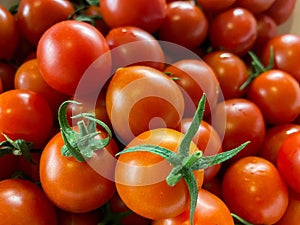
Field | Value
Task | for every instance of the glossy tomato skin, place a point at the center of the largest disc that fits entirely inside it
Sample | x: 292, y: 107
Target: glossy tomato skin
x: 253, y: 189
x: 34, y: 17
x: 134, y: 13
x: 231, y: 72
x: 243, y: 122
x: 286, y: 50
x: 28, y: 77
x: 273, y: 87
x: 23, y: 202
x: 141, y: 97
x: 134, y: 46
x: 74, y: 186
x: 288, y: 160
x: 274, y: 138
x: 185, y: 24
x: 148, y: 182
x: 63, y: 63
x: 234, y: 30
x: 9, y: 34
x: 207, y: 140
x: 215, y: 6
x: 210, y: 210
x: 25, y: 114
x: 195, y: 77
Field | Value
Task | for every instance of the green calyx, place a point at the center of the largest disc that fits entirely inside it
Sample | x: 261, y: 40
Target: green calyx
x: 185, y: 163
x: 81, y: 144
x: 257, y: 67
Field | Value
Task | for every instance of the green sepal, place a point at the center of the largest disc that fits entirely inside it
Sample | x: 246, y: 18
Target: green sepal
x: 191, y: 183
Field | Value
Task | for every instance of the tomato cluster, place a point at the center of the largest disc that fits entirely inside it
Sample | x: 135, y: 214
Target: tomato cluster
x: 154, y: 112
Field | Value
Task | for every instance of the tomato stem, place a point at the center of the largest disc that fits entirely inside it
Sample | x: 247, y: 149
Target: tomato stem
x: 82, y: 144
x: 241, y: 220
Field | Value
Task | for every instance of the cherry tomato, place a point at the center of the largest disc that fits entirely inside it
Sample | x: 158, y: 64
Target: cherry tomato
x: 281, y: 10
x: 141, y: 177
x: 28, y: 77
x: 75, y: 186
x: 286, y: 50
x: 195, y: 77
x: 233, y: 30
x: 271, y: 88
x: 231, y: 72
x: 140, y: 98
x: 36, y: 16
x: 185, y: 24
x: 85, y: 45
x: 134, y: 46
x: 255, y: 6
x: 207, y: 140
x: 210, y: 210
x: 25, y: 203
x: 137, y: 13
x: 253, y: 189
x: 288, y: 160
x: 9, y: 34
x: 243, y: 122
x: 25, y: 114
x: 274, y: 137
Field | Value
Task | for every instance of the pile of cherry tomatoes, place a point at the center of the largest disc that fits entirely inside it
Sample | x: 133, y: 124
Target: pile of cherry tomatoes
x: 149, y: 112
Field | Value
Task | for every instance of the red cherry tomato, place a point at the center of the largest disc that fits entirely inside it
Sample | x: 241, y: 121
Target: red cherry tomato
x: 25, y: 203
x: 288, y: 160
x: 255, y: 6
x: 233, y: 30
x: 185, y: 24
x: 271, y: 88
x: 36, y: 16
x: 281, y: 10
x: 72, y: 58
x: 215, y: 6
x: 253, y: 189
x: 137, y: 13
x: 9, y: 34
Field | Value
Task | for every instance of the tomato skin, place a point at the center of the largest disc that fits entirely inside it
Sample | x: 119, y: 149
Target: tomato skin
x: 291, y: 215
x: 244, y: 188
x: 28, y: 77
x: 85, y: 44
x: 94, y: 10
x: 34, y: 17
x: 25, y: 114
x: 25, y: 203
x: 149, y: 106
x: 231, y: 72
x: 195, y: 77
x: 185, y: 24
x: 134, y: 13
x: 233, y: 30
x: 274, y: 138
x: 9, y: 34
x: 281, y: 10
x: 7, y: 73
x: 272, y: 87
x: 68, y: 218
x: 8, y: 165
x: 64, y: 178
x: 288, y: 160
x: 243, y: 122
x: 210, y: 210
x: 144, y: 50
x: 286, y: 50
x: 207, y: 140
x: 215, y: 5
x: 163, y: 201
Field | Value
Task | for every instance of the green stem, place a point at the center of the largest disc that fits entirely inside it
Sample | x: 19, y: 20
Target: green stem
x: 241, y: 220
